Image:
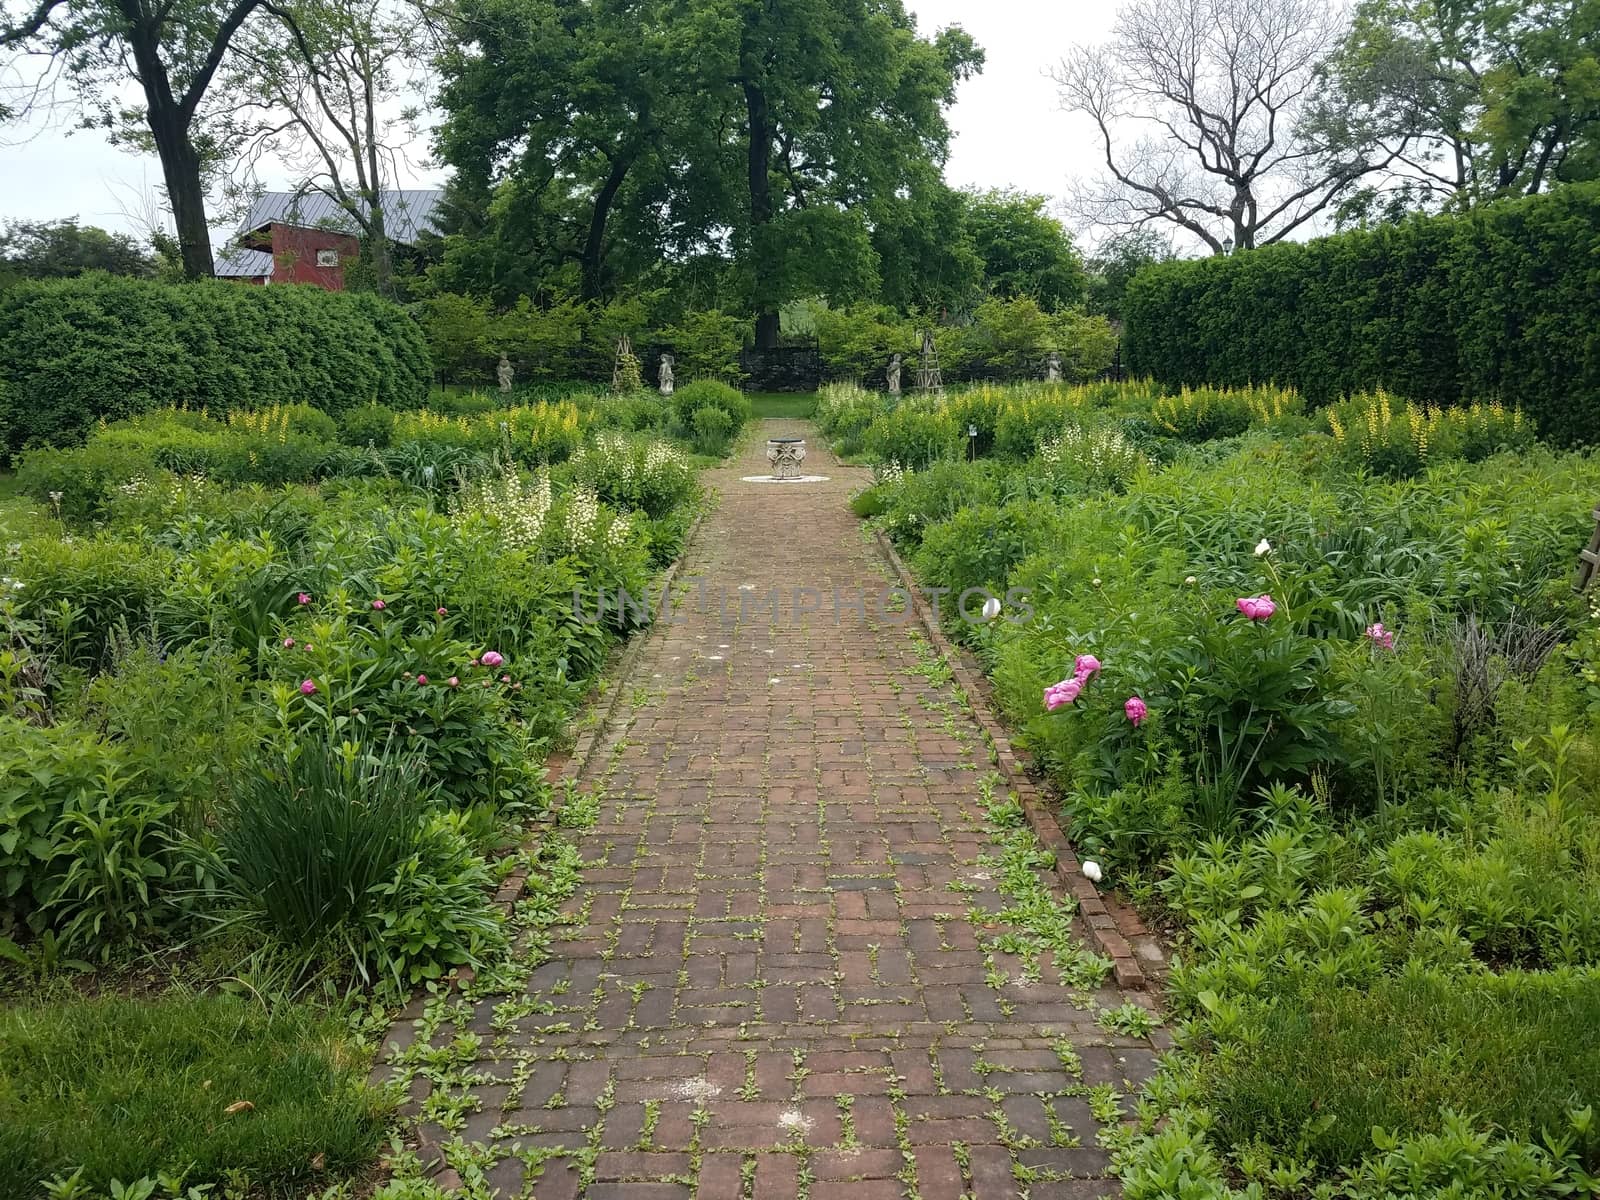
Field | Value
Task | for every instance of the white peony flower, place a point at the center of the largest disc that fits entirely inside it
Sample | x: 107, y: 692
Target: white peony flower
x: 1263, y: 547
x: 1091, y: 871
x: 991, y: 608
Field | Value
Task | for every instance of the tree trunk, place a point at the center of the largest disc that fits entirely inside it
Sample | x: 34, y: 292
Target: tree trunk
x: 760, y: 166
x: 180, y: 168
x: 169, y: 120
x: 594, y: 245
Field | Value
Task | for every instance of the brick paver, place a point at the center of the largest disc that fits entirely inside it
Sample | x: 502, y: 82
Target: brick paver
x: 771, y: 986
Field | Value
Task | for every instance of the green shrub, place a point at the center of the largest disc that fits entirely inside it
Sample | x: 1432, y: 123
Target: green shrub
x: 713, y: 430
x: 706, y: 345
x: 337, y: 856
x: 85, y: 845
x: 1200, y: 414
x: 914, y: 435
x: 710, y: 393
x: 845, y: 412
x: 84, y: 591
x: 367, y: 425
x: 368, y: 669
x: 127, y: 1089
x: 856, y: 343
x: 1498, y: 302
x: 100, y: 348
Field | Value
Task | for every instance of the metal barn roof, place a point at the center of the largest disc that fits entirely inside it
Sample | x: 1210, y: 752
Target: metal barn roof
x: 407, y: 212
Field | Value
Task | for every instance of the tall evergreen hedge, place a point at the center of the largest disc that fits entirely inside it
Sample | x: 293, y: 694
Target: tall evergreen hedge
x: 75, y: 350
x: 1501, y: 302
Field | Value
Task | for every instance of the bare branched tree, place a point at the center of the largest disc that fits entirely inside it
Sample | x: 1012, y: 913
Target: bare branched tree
x: 339, y: 84
x: 1200, y: 106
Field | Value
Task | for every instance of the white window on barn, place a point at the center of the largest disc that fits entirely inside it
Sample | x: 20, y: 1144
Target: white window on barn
x: 327, y: 258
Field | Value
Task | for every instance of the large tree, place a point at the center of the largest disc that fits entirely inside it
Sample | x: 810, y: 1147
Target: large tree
x: 60, y: 249
x: 172, y: 50
x: 1201, y: 107
x: 1025, y: 251
x: 1477, y: 99
x: 562, y: 116
x: 338, y: 83
x: 842, y: 101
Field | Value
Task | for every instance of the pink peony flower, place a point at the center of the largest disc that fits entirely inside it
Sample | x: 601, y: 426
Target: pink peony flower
x: 308, y: 688
x: 305, y: 598
x: 421, y: 679
x: 453, y: 681
x: 1085, y: 666
x: 1136, y: 709
x: 379, y: 606
x: 492, y: 658
x: 442, y: 611
x: 1257, y: 608
x: 473, y: 663
x: 288, y: 643
x: 1058, y: 694
x: 1379, y: 636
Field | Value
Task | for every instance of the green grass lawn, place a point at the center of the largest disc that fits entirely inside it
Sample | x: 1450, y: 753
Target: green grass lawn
x: 214, y: 1087
x: 783, y: 405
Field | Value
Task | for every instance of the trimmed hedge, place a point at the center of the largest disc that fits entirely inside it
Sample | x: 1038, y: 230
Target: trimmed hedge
x: 101, y: 346
x: 1502, y: 302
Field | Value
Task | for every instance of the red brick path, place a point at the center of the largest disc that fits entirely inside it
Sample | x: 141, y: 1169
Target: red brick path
x: 770, y: 988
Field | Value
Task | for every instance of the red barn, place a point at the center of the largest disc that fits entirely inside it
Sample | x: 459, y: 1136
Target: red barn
x: 295, y: 237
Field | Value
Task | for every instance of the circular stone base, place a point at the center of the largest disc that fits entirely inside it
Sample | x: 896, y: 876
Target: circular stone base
x: 790, y: 479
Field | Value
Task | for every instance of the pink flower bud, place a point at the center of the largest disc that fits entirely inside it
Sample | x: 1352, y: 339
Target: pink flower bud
x: 492, y: 658
x: 441, y: 611
x: 308, y: 688
x: 421, y: 679
x: 1136, y: 709
x: 288, y: 643
x: 378, y: 605
x: 305, y: 598
x: 1257, y: 608
x: 454, y: 681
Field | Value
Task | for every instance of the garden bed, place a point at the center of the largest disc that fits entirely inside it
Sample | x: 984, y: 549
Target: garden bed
x: 1315, y: 692
x: 276, y: 695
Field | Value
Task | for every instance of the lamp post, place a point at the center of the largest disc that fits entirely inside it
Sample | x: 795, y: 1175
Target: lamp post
x: 1227, y: 245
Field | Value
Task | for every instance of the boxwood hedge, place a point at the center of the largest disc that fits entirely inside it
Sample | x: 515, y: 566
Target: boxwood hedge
x: 1502, y: 302
x: 100, y: 346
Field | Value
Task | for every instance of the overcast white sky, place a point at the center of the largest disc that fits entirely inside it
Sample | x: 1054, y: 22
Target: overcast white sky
x: 1009, y: 131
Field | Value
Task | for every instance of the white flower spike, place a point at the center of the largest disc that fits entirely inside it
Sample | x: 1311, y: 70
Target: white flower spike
x: 1263, y: 547
x: 1091, y: 871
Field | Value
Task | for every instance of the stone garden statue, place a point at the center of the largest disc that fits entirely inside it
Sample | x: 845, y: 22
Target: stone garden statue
x: 894, y: 375
x: 504, y: 373
x: 665, y: 374
x: 1052, y: 367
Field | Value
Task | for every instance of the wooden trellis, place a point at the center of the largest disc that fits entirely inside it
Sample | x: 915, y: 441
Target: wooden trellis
x: 1589, y: 558
x: 929, y: 378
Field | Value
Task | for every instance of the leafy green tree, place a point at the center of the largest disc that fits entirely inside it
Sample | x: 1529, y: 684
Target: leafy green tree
x: 1475, y: 99
x: 926, y: 258
x: 171, y: 50
x: 563, y: 120
x: 60, y: 249
x: 1116, y: 261
x: 842, y: 101
x: 1024, y: 250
